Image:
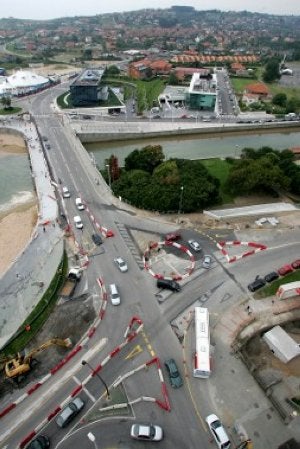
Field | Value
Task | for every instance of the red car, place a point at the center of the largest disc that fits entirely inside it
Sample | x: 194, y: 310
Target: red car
x: 286, y: 269
x: 172, y: 236
x: 296, y: 264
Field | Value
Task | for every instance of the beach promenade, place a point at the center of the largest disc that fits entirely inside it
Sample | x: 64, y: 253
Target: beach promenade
x: 28, y: 277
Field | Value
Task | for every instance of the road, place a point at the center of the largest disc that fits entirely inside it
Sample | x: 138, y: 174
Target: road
x: 184, y: 424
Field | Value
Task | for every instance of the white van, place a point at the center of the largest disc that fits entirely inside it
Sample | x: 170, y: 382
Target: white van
x: 79, y: 204
x: 65, y: 192
x: 114, y: 295
x: 78, y: 222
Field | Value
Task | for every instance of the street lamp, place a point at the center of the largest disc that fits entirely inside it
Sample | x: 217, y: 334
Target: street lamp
x: 84, y: 362
x: 109, y: 177
x: 180, y: 201
x: 92, y: 438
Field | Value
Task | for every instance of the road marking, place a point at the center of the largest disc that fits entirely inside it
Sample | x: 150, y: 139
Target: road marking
x: 136, y: 350
x: 84, y: 389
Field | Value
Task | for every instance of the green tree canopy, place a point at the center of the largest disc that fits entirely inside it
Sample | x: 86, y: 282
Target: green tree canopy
x: 271, y: 72
x: 145, y: 159
x: 280, y: 99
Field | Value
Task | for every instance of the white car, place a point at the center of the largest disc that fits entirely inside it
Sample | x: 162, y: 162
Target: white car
x: 121, y: 264
x: 65, y: 192
x: 218, y: 432
x: 146, y: 432
x: 78, y: 222
x: 194, y: 245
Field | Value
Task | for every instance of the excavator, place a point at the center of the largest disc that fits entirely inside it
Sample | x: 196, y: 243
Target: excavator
x: 18, y: 366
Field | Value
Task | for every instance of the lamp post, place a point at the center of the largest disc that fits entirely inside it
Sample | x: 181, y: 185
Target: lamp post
x: 109, y: 176
x: 84, y: 362
x: 92, y: 438
x: 180, y: 201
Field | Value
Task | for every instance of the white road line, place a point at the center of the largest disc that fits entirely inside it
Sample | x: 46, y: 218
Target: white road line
x: 85, y: 389
x: 39, y: 400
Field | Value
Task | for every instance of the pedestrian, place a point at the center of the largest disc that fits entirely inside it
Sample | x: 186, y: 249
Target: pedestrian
x: 248, y: 309
x: 44, y: 229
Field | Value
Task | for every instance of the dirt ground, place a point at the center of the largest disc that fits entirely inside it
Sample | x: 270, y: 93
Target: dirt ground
x: 68, y: 320
x: 262, y: 357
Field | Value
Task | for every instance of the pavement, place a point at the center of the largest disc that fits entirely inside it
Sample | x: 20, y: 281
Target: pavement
x: 260, y: 209
x: 248, y: 411
x: 26, y: 280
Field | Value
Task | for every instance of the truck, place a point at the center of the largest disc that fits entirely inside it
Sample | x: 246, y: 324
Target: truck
x: 72, y: 280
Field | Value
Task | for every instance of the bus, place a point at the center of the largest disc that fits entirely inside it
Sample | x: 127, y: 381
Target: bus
x: 202, y: 353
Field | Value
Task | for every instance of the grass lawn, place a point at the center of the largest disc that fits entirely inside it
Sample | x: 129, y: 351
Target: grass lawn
x: 239, y: 84
x: 270, y: 290
x: 220, y: 169
x: 10, y: 111
x: 289, y: 91
x: 148, y: 91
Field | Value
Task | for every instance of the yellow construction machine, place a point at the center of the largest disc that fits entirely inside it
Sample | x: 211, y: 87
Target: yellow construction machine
x: 18, y: 366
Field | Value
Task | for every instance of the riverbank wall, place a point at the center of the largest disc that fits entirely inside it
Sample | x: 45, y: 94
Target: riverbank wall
x: 104, y: 131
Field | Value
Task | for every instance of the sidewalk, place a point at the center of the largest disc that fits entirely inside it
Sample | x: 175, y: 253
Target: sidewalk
x: 25, y: 282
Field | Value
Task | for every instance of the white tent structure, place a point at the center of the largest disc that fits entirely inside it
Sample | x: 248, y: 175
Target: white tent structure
x: 281, y: 344
x: 23, y: 82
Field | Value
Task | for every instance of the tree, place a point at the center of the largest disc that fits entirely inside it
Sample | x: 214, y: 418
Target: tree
x: 280, y: 99
x: 6, y: 101
x: 271, y: 72
x: 173, y: 80
x: 112, y: 70
x: 145, y: 159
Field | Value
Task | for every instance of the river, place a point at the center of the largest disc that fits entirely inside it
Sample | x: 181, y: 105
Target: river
x: 196, y: 147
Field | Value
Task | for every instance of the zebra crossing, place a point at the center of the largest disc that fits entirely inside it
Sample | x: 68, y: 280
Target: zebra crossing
x: 128, y: 239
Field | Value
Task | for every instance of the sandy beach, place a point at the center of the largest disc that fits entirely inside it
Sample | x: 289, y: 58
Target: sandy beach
x: 17, y: 226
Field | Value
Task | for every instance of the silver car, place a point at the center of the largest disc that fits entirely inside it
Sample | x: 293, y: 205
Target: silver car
x: 69, y: 412
x: 194, y: 245
x: 206, y: 262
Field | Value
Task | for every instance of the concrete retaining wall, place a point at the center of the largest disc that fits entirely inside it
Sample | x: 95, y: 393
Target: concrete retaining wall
x: 87, y: 135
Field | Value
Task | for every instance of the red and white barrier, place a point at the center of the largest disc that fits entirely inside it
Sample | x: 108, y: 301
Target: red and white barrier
x: 223, y: 245
x: 104, y: 231
x: 154, y: 245
x: 88, y: 335
x: 130, y: 335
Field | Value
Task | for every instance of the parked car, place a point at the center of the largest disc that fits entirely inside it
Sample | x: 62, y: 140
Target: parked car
x: 168, y: 284
x: 40, y: 442
x: 174, y: 375
x: 296, y: 264
x: 172, y: 236
x: 97, y: 239
x: 206, y: 261
x: 218, y: 432
x: 146, y: 432
x: 69, y: 412
x: 194, y: 245
x: 270, y: 277
x: 286, y: 269
x: 121, y: 264
x: 257, y: 284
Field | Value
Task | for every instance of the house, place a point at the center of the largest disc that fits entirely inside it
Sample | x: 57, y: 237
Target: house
x: 258, y: 89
